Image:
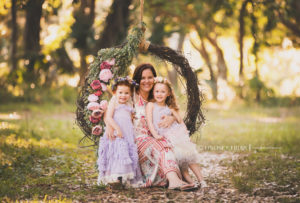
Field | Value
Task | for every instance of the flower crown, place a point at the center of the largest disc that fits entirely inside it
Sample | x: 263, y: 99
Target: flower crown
x: 121, y: 79
x: 160, y: 80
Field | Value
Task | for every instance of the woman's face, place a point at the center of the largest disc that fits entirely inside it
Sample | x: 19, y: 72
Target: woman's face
x: 147, y: 80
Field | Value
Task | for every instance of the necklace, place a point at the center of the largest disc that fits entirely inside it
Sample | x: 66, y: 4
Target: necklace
x: 144, y: 100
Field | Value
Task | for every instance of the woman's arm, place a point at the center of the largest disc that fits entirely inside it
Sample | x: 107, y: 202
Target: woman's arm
x: 149, y: 117
x: 176, y: 115
x: 166, y: 121
x: 109, y: 119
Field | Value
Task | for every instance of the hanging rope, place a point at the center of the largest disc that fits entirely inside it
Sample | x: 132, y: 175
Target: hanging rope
x: 142, y: 12
x: 144, y: 45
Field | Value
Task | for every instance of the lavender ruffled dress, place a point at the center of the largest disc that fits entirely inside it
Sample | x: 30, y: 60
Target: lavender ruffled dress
x: 119, y: 157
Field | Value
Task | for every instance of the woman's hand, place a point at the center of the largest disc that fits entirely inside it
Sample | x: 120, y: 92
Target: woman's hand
x: 158, y: 137
x: 133, y: 117
x: 166, y: 121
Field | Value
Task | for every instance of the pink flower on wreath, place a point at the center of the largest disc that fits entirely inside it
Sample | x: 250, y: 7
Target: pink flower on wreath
x: 107, y: 64
x: 97, y: 113
x: 111, y: 61
x: 105, y: 75
x: 103, y: 105
x: 98, y: 93
x: 94, y: 120
x: 93, y: 98
x: 97, y: 130
x: 103, y: 86
x: 93, y: 106
x: 96, y: 84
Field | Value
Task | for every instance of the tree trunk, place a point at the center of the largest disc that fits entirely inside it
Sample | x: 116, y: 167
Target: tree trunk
x: 83, y: 67
x: 32, y: 37
x: 85, y: 16
x: 221, y: 64
x: 241, y: 37
x: 14, y: 36
x: 205, y: 55
x: 241, y: 43
x: 258, y: 90
x: 158, y: 33
x: 117, y: 23
x: 115, y: 30
x: 172, y: 74
x: 63, y: 61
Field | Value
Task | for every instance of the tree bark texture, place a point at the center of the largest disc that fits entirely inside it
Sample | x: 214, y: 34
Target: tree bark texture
x: 172, y: 74
x: 117, y: 23
x: 241, y: 38
x: 82, y: 30
x: 205, y: 55
x: 32, y: 36
x: 14, y: 36
x: 221, y: 64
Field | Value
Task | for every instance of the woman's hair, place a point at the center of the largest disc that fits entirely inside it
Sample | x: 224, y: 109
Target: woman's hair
x: 137, y: 75
x: 171, y: 99
x: 122, y: 82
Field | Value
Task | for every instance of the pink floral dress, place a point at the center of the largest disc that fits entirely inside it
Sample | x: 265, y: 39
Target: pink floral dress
x: 156, y: 157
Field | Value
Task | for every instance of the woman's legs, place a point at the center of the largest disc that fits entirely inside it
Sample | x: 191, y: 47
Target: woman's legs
x: 174, y: 180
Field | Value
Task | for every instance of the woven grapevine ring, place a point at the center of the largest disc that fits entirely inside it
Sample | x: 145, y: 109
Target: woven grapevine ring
x: 114, y: 62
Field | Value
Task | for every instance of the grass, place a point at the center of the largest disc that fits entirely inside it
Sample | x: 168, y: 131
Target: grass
x: 39, y: 152
x: 255, y: 126
x: 40, y: 157
x: 269, y: 165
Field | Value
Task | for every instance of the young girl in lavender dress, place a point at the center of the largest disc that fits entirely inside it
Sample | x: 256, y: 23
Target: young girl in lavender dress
x: 118, y: 160
x: 185, y: 151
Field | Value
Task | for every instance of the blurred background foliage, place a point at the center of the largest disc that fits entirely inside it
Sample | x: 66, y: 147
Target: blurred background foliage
x: 244, y: 50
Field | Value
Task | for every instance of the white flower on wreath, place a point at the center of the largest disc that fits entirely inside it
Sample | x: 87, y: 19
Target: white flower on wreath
x: 160, y: 79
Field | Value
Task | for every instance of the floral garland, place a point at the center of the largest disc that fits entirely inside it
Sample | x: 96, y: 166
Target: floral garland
x: 107, y: 65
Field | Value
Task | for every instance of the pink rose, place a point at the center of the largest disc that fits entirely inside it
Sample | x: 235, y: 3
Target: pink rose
x: 97, y: 113
x: 98, y: 93
x: 96, y: 84
x: 93, y: 98
x: 103, y: 105
x: 105, y: 65
x: 97, y: 130
x: 93, y: 106
x: 103, y: 86
x: 111, y: 61
x: 94, y: 120
x: 105, y: 75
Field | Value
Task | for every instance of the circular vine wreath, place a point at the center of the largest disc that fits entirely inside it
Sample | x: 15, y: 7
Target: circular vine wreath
x: 114, y: 62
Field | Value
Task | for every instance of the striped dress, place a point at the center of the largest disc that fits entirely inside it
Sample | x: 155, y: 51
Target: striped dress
x: 156, y: 157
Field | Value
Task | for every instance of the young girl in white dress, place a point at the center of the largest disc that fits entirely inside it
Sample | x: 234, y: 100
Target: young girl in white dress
x: 185, y: 151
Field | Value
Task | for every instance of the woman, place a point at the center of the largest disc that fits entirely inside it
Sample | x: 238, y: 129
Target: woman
x: 156, y: 160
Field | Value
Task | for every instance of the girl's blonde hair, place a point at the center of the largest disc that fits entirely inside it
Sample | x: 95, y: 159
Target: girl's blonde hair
x: 171, y: 99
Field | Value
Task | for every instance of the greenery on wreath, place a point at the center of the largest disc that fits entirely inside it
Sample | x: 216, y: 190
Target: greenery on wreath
x: 108, y: 64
